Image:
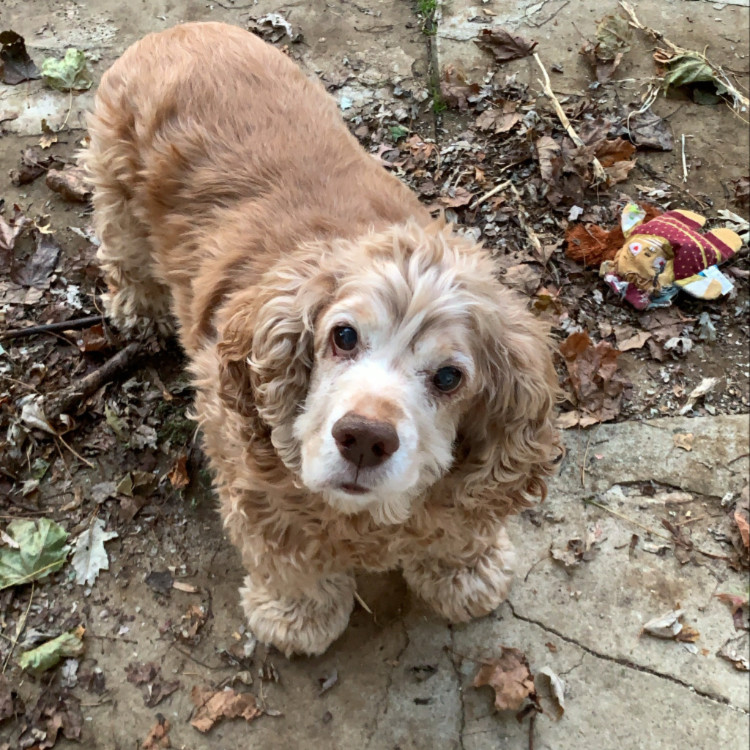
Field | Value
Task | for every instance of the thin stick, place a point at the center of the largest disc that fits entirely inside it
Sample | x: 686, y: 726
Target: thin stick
x: 362, y: 602
x: 63, y: 325
x: 66, y: 400
x: 684, y: 161
x: 668, y: 537
x: 530, y: 233
x: 495, y: 190
x: 653, y: 531
x: 600, y: 176
x: 19, y: 629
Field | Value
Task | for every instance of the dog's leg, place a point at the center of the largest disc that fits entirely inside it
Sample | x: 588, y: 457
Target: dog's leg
x: 300, y: 620
x: 136, y: 301
x: 460, y: 589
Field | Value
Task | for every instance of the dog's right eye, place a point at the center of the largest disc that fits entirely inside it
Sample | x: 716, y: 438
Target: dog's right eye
x: 344, y: 338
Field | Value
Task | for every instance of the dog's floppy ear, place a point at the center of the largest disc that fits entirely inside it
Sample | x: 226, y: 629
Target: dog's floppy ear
x: 265, y: 350
x: 508, y: 444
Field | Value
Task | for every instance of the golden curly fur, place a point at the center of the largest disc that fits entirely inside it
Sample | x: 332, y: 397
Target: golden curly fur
x: 229, y: 191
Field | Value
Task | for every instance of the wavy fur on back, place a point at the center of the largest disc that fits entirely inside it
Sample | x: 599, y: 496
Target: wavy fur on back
x: 231, y: 199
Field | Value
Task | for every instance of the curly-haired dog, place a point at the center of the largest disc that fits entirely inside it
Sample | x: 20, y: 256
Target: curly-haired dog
x: 370, y: 396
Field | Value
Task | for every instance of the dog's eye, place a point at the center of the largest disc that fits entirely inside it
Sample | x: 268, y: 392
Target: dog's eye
x: 447, y: 379
x: 344, y: 338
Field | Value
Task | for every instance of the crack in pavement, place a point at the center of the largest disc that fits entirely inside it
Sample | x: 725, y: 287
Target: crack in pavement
x: 627, y: 663
x: 382, y: 707
x: 459, y: 680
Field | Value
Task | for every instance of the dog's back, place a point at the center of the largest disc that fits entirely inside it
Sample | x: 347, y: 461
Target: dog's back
x: 205, y: 128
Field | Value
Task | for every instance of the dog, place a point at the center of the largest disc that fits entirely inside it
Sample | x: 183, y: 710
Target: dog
x: 370, y: 396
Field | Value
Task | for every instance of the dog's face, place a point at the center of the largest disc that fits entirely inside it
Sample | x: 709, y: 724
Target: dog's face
x: 392, y: 375
x: 376, y: 368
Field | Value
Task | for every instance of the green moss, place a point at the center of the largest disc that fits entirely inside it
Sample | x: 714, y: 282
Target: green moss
x: 175, y: 426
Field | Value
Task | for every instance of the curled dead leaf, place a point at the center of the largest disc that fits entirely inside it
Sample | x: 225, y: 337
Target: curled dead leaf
x: 509, y: 676
x: 214, y: 705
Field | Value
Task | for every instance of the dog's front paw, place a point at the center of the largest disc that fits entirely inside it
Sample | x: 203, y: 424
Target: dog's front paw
x: 304, y: 623
x: 460, y: 593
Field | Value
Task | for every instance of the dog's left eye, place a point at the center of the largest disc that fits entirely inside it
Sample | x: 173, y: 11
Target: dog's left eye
x: 344, y: 338
x: 447, y: 379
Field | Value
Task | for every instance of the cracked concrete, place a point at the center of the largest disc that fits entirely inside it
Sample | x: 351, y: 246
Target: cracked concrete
x: 405, y: 677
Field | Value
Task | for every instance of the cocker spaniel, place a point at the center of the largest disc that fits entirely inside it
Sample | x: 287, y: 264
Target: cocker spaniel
x: 370, y: 396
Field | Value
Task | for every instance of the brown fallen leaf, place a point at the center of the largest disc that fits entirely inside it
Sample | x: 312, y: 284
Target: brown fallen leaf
x: 500, y: 119
x: 33, y: 164
x: 71, y: 183
x: 741, y: 519
x: 550, y: 162
x: 214, y: 705
x: 158, y: 737
x: 547, y: 682
x: 739, y: 607
x: 15, y: 64
x: 648, y: 130
x: 636, y: 341
x: 178, y: 475
x: 503, y: 45
x: 38, y: 268
x: 741, y: 187
x: 93, y: 339
x: 524, y: 277
x: 579, y: 549
x: 456, y: 198
x: 509, y: 676
x: 10, y: 702
x: 191, y: 623
x: 455, y: 90
x: 683, y: 440
x: 735, y: 651
x: 671, y: 628
x: 597, y: 386
x: 613, y: 35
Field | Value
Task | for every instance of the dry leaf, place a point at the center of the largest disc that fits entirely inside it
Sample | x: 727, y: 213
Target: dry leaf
x: 735, y: 651
x: 554, y: 686
x: 634, y: 342
x: 740, y: 519
x: 670, y: 627
x: 71, y: 183
x: 178, y: 475
x: 509, y: 677
x: 212, y: 706
x: 706, y: 385
x: 683, y: 440
x: 158, y: 737
x: 503, y: 45
x: 15, y: 64
x: 524, y: 277
x: 597, y: 385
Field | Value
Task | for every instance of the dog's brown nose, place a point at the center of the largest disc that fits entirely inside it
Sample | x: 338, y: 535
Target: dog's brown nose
x: 364, y: 442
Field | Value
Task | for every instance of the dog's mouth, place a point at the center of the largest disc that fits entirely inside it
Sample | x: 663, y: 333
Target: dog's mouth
x: 352, y: 488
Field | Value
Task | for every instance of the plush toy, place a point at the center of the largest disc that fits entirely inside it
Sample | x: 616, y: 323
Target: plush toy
x: 668, y: 254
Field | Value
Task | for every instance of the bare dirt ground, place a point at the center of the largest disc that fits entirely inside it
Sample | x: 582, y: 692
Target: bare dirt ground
x: 649, y: 513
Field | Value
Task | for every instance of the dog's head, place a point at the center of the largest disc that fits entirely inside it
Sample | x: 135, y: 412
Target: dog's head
x: 380, y: 367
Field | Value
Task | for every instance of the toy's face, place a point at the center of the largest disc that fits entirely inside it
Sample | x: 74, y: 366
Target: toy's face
x: 642, y: 259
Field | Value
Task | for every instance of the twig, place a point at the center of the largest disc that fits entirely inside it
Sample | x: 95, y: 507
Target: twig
x: 600, y: 176
x: 495, y: 190
x: 532, y: 720
x: 63, y: 325
x: 362, y: 603
x: 668, y: 537
x: 66, y: 400
x: 19, y: 629
x: 530, y: 233
x: 671, y: 538
x: 684, y: 161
